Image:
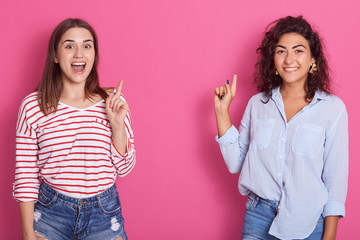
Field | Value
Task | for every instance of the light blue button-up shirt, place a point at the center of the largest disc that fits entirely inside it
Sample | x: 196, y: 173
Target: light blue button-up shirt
x: 302, y: 163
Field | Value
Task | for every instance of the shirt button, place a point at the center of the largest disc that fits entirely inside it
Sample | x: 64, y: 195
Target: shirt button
x: 281, y: 157
x: 282, y: 139
x: 279, y: 174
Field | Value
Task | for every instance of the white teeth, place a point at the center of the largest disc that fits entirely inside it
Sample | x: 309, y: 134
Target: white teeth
x: 78, y: 64
x: 290, y: 69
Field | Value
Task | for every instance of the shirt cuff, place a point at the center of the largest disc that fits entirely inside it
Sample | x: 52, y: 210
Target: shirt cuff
x: 334, y: 208
x: 229, y: 137
x: 117, y: 153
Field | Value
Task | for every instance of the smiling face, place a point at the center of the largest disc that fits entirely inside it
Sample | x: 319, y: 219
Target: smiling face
x: 75, y: 55
x: 293, y: 58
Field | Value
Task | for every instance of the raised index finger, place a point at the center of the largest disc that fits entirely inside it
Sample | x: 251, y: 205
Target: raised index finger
x: 118, y: 89
x: 233, y: 85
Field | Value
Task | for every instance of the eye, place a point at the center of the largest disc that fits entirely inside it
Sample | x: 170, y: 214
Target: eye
x: 299, y: 51
x: 88, y: 46
x: 280, y: 51
x: 69, y: 46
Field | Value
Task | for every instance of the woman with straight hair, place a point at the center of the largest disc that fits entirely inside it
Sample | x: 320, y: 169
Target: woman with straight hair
x: 73, y: 138
x: 291, y: 149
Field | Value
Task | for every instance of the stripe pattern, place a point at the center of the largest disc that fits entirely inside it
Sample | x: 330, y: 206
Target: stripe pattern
x: 70, y: 149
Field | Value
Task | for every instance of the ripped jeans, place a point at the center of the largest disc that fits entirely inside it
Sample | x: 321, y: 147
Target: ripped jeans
x: 58, y: 217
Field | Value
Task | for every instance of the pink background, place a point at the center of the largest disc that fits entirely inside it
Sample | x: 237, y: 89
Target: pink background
x: 171, y: 55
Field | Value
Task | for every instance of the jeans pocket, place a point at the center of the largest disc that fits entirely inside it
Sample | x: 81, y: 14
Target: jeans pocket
x: 251, y: 202
x: 46, y: 199
x: 110, y: 205
x: 321, y: 219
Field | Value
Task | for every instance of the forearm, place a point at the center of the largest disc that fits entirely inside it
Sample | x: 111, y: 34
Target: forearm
x: 223, y: 122
x: 330, y: 227
x: 27, y: 217
x: 119, y: 138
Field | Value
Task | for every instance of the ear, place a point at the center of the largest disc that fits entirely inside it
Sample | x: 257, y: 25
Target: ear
x: 313, y: 60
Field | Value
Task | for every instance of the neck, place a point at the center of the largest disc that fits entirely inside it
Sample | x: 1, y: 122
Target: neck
x: 293, y: 90
x: 73, y: 91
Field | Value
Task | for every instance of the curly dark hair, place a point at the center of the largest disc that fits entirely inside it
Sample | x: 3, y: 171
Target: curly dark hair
x: 265, y: 78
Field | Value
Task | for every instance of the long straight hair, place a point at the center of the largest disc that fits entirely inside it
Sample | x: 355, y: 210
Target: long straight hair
x: 51, y: 86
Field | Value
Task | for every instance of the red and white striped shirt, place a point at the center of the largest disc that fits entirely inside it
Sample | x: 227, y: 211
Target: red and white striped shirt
x: 71, y: 149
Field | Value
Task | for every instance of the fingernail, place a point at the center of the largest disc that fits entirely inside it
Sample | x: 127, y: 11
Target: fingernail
x: 222, y: 95
x: 227, y: 81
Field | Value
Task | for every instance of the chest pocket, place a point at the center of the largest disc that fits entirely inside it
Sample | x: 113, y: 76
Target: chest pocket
x: 261, y: 131
x: 308, y: 140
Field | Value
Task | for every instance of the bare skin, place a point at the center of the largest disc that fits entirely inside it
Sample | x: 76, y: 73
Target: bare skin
x: 294, y: 101
x: 76, y: 45
x: 222, y: 99
x: 116, y: 110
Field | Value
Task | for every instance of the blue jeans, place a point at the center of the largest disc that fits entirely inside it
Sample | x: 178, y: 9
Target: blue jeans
x: 259, y: 216
x: 58, y: 217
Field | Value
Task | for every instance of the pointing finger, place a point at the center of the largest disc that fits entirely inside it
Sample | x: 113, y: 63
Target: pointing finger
x: 118, y: 89
x: 233, y: 85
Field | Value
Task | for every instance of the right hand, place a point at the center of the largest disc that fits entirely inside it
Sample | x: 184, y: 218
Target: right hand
x: 223, y: 96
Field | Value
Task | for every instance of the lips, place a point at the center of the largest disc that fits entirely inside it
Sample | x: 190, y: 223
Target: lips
x: 78, y: 67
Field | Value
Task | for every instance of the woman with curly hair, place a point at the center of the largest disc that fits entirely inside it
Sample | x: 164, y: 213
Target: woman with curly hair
x: 291, y: 149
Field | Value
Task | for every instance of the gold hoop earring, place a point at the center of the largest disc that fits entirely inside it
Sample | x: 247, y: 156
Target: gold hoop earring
x: 313, y: 68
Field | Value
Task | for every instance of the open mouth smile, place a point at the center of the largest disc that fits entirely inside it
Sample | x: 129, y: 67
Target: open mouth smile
x: 78, y: 67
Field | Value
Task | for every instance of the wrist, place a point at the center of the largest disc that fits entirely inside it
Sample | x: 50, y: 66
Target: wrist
x: 117, y: 126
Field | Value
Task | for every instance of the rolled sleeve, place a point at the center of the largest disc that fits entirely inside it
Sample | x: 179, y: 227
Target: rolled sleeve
x: 26, y: 185
x: 334, y: 208
x: 124, y: 163
x: 335, y: 173
x: 229, y: 137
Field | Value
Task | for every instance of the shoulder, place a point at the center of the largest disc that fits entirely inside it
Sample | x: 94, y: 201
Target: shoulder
x: 29, y: 111
x: 333, y: 101
x: 30, y: 101
x: 258, y: 98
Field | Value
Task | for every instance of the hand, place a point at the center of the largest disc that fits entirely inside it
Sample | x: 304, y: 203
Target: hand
x: 29, y: 236
x: 224, y: 95
x: 222, y: 99
x: 116, y: 108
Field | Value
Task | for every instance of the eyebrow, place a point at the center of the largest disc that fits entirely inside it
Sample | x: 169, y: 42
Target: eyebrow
x: 296, y: 46
x: 69, y: 40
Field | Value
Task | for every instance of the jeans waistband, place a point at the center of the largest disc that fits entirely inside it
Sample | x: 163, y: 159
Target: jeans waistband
x: 50, y: 192
x: 271, y: 203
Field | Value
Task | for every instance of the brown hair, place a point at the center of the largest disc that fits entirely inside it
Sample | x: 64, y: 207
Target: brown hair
x: 50, y: 87
x: 265, y: 77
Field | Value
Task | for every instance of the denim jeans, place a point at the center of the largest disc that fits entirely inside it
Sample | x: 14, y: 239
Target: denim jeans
x: 58, y: 217
x: 259, y: 216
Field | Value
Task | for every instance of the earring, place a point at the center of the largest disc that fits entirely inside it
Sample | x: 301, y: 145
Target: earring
x: 313, y: 68
x: 276, y: 72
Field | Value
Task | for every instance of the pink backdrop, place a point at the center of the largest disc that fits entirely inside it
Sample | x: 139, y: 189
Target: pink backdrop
x: 171, y: 55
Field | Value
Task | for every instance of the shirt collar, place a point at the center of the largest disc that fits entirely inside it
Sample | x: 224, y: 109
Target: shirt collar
x: 319, y: 95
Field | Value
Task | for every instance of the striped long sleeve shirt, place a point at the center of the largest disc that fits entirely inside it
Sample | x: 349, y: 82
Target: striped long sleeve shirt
x: 71, y: 149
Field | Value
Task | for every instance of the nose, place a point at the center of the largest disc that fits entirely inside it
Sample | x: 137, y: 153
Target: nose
x: 78, y: 52
x: 289, y: 58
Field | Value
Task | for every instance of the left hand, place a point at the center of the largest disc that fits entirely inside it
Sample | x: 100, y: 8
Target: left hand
x: 116, y: 108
